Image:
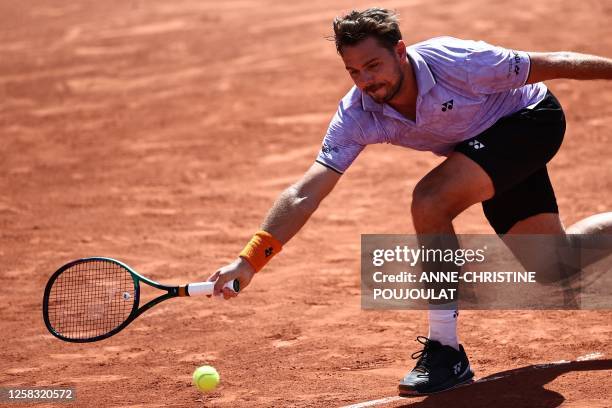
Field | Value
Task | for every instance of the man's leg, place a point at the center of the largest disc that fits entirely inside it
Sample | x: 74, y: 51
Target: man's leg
x: 526, y: 217
x: 540, y: 252
x: 543, y: 223
x: 551, y: 224
x: 578, y: 246
x: 438, y: 198
x: 540, y: 244
x: 446, y: 191
x: 507, y: 153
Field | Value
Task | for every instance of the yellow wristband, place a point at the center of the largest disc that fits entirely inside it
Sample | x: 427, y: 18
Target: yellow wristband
x: 260, y: 249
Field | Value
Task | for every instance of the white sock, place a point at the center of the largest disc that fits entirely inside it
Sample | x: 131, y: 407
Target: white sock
x: 443, y: 327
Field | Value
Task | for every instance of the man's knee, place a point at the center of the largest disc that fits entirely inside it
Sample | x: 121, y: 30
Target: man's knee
x: 429, y: 202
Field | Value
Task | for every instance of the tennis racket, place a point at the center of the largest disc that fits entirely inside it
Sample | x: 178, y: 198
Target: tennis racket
x: 91, y: 299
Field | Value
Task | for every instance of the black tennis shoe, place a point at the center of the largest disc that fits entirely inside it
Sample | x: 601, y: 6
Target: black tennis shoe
x: 438, y: 368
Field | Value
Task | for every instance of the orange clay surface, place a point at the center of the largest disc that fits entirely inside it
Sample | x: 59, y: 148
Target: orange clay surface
x: 159, y: 133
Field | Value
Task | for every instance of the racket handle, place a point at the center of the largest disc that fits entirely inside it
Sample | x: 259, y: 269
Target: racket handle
x: 207, y: 288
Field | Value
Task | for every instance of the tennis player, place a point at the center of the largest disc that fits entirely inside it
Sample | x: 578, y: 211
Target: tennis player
x: 484, y: 107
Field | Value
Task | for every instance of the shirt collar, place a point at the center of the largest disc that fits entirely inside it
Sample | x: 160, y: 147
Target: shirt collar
x: 424, y: 77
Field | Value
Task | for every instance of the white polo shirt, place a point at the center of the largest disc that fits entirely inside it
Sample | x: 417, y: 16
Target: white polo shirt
x: 464, y: 87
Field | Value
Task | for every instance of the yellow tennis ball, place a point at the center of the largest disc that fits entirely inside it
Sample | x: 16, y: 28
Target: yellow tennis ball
x: 206, y: 378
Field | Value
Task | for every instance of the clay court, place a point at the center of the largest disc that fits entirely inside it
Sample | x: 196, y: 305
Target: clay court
x: 159, y: 133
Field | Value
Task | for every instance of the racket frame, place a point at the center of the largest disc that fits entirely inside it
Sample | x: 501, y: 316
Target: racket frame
x: 171, y: 291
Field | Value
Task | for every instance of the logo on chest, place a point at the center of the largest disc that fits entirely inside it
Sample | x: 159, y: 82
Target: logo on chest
x: 448, y: 105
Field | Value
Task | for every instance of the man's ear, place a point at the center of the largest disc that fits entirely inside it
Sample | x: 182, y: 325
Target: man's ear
x: 400, y: 50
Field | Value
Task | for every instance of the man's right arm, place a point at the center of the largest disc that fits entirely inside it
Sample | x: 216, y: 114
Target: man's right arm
x: 289, y: 213
x: 298, y: 202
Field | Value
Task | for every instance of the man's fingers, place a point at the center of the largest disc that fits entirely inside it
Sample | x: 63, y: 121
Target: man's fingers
x: 213, y: 277
x: 228, y: 293
x: 226, y: 274
x: 221, y: 281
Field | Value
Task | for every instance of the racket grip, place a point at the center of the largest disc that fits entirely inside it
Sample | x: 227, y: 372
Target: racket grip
x: 207, y: 288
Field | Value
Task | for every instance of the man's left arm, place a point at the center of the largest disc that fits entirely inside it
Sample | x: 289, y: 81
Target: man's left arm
x: 568, y: 65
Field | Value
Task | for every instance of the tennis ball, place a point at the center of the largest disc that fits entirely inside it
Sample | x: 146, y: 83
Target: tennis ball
x: 205, y: 378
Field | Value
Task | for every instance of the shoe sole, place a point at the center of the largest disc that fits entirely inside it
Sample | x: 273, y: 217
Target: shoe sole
x: 467, y: 380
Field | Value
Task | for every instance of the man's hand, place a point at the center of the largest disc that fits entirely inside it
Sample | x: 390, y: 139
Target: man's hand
x: 239, y: 269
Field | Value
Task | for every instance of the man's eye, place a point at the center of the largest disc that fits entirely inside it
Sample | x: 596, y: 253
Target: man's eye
x: 372, y: 66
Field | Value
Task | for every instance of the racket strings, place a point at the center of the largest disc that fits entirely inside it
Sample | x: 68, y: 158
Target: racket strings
x: 90, y: 299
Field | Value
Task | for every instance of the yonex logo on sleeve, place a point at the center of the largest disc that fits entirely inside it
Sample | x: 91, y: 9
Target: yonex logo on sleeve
x: 327, y: 149
x: 457, y: 368
x: 476, y: 144
x: 514, y: 64
x: 448, y: 105
x: 268, y: 252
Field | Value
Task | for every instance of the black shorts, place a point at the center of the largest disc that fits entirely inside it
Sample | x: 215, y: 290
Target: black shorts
x: 514, y: 152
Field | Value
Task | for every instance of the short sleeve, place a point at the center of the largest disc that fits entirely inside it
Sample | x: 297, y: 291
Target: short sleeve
x: 341, y: 143
x: 494, y: 69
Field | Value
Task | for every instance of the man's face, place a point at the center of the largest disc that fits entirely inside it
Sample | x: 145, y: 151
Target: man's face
x: 374, y: 69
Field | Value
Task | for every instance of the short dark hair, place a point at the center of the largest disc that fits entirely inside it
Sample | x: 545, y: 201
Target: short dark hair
x: 356, y: 26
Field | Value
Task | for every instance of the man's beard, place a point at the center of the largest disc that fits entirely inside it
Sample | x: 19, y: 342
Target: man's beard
x: 397, y: 87
x: 393, y: 92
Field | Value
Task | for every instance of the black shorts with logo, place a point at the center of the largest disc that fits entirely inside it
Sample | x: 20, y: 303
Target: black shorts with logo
x: 514, y: 152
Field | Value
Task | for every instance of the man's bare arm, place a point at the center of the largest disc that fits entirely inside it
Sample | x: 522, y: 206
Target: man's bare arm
x: 298, y: 202
x: 287, y: 216
x: 568, y: 65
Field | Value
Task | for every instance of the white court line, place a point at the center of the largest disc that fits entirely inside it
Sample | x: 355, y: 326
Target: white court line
x: 387, y: 400
x: 374, y: 402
